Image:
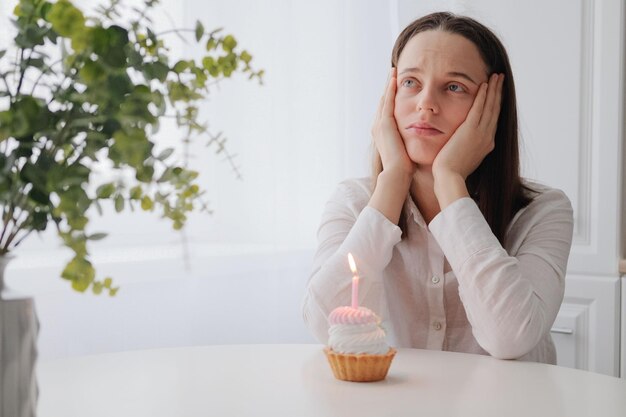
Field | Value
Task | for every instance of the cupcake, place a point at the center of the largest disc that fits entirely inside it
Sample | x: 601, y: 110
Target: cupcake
x: 356, y: 349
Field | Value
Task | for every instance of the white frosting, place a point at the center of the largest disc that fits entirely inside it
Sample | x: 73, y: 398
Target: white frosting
x: 360, y: 338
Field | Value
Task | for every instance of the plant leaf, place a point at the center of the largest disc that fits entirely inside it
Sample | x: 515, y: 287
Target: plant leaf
x: 199, y: 30
x: 119, y: 203
x: 229, y: 43
x: 105, y: 190
x: 80, y: 271
x: 165, y: 154
x: 97, y: 236
x: 146, y: 203
x: 66, y: 19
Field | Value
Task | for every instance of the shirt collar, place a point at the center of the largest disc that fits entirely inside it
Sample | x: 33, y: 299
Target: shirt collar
x: 411, y: 210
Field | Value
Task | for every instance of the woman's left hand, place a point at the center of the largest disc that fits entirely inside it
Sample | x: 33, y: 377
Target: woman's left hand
x: 475, y: 137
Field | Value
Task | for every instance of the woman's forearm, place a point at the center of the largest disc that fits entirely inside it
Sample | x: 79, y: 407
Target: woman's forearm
x: 511, y: 300
x: 392, y: 188
x: 348, y: 226
x: 449, y: 187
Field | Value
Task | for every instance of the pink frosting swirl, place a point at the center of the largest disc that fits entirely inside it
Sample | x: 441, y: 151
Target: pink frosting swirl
x: 349, y: 315
x: 356, y: 331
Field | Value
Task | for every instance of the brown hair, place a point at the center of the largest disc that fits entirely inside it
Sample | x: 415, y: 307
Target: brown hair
x: 495, y: 185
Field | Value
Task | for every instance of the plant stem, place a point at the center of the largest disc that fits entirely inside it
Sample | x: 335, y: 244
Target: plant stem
x: 19, y: 222
x: 7, y: 85
x: 43, y: 72
x: 7, y: 219
x: 143, y: 13
x: 4, y: 229
x: 7, y: 216
x: 10, y: 239
x: 22, y: 238
x: 176, y: 31
x: 22, y: 70
x: 16, y: 228
x: 71, y: 79
x: 65, y: 127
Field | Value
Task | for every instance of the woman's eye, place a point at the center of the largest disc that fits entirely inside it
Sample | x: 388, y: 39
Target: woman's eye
x: 408, y: 83
x: 455, y: 88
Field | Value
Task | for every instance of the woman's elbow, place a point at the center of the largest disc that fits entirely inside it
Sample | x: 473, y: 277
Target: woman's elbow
x: 509, y: 345
x: 505, y: 351
x: 316, y: 321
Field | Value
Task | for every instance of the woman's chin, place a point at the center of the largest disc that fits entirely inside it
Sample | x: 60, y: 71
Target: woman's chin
x: 422, y: 152
x: 421, y: 162
x: 422, y: 157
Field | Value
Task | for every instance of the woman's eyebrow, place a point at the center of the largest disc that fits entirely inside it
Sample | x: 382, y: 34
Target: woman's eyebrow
x: 451, y: 74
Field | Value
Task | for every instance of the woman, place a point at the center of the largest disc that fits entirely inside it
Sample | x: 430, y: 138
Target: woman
x: 455, y: 250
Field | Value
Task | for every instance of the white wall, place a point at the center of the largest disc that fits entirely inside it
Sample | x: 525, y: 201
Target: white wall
x: 307, y: 127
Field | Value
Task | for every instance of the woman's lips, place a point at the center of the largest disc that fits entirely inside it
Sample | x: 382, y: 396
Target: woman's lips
x: 424, y: 131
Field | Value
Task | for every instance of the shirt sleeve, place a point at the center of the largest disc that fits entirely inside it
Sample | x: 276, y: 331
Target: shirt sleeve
x: 348, y: 226
x: 510, y: 301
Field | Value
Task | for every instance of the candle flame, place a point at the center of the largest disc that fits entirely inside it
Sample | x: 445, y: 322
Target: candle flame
x: 352, y: 264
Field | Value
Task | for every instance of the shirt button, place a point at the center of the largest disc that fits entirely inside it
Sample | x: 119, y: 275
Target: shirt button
x: 437, y: 326
x: 435, y: 279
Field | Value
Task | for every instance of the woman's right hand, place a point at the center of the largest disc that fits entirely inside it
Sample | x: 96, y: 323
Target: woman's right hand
x: 386, y: 136
x: 392, y: 184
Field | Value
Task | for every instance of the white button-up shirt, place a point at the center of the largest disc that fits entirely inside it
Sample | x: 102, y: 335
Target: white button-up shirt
x: 494, y: 300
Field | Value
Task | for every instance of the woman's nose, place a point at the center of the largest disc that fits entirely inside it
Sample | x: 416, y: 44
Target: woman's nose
x: 427, y: 100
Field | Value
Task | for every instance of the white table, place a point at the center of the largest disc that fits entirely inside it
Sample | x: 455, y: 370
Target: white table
x: 296, y: 381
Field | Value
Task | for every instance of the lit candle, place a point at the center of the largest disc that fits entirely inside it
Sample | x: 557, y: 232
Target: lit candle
x: 355, y: 282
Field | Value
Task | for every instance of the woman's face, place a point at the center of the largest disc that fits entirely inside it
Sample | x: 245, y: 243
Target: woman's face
x: 439, y: 74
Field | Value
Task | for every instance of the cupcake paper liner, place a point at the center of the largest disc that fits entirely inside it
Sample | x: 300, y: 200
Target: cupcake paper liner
x: 359, y: 367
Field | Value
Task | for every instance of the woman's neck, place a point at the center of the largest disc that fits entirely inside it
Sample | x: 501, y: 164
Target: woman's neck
x: 423, y: 193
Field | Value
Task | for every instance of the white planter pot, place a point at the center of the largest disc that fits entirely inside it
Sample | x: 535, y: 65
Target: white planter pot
x: 18, y: 352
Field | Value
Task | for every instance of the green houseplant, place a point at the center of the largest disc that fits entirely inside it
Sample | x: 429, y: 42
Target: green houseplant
x: 100, y: 99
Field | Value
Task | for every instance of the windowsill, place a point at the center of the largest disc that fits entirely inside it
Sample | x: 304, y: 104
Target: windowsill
x: 34, y: 272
